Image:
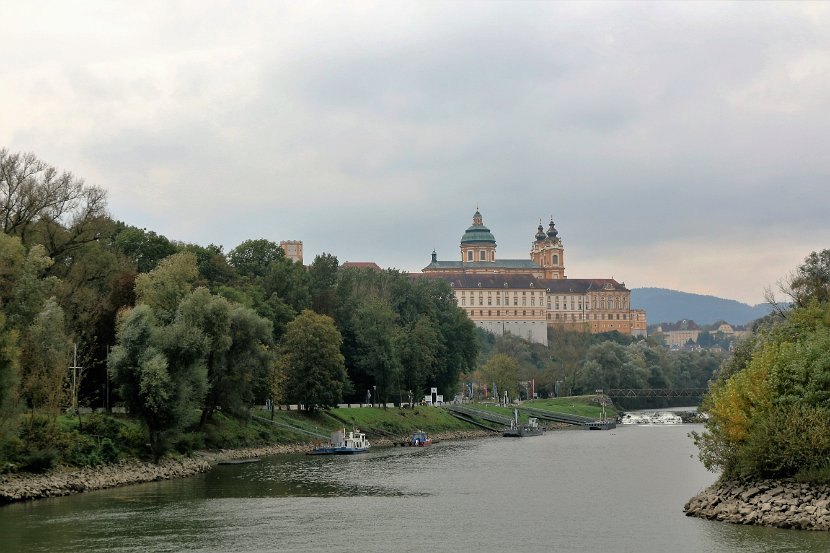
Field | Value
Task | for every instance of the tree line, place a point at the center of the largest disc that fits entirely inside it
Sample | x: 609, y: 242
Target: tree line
x: 575, y: 363
x: 178, y: 331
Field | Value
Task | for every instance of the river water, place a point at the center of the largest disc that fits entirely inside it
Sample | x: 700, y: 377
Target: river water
x: 570, y: 491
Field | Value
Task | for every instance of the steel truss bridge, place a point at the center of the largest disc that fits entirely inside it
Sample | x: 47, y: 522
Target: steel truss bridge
x: 656, y: 392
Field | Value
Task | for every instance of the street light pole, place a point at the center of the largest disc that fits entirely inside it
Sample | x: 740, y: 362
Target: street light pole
x: 75, y: 368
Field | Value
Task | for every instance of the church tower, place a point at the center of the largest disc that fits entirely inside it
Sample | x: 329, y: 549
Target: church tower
x: 478, y: 245
x: 547, y: 251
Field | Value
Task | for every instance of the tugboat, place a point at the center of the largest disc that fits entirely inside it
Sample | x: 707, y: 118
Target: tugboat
x: 517, y: 430
x: 419, y: 438
x: 343, y: 444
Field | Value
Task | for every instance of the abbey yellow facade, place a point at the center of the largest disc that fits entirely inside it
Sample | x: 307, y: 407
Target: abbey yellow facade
x: 525, y: 296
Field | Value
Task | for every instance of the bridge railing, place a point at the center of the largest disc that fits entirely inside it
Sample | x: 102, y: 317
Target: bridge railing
x: 656, y: 392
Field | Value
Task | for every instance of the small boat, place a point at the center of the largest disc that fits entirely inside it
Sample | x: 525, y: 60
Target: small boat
x: 516, y: 430
x: 239, y: 461
x: 343, y: 443
x: 418, y: 439
x: 605, y: 424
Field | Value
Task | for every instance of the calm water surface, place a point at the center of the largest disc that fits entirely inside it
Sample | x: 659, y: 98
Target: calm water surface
x: 571, y: 491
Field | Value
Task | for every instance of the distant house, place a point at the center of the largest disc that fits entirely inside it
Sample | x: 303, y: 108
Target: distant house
x: 361, y: 265
x: 679, y: 338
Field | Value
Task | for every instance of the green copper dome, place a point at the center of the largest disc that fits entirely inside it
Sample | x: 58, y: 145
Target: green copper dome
x: 478, y: 233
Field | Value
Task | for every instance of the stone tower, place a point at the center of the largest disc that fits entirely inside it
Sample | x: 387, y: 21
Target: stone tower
x: 547, y: 251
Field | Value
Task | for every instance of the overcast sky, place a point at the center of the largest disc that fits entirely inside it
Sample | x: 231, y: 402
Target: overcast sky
x: 678, y: 145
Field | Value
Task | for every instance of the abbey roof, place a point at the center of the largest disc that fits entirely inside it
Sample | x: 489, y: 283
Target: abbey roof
x: 498, y: 264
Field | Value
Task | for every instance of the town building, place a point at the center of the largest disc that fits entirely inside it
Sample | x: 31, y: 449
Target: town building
x: 526, y: 296
x: 679, y: 338
x: 639, y: 325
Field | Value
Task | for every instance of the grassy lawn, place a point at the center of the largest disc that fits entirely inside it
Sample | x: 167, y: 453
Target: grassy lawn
x: 375, y: 422
x: 395, y: 422
x: 583, y: 406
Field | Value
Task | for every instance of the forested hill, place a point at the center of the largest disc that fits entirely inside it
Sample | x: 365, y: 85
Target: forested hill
x: 664, y: 305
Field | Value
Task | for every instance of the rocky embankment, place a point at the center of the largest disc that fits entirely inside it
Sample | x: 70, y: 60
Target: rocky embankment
x: 66, y: 481
x: 777, y: 503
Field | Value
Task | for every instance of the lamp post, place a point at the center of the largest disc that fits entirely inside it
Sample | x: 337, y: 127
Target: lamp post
x: 374, y: 395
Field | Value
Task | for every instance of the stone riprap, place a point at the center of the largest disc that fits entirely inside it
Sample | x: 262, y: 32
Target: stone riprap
x: 67, y: 481
x: 776, y: 503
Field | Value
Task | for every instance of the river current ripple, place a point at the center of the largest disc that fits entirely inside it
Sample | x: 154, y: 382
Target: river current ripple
x: 570, y: 491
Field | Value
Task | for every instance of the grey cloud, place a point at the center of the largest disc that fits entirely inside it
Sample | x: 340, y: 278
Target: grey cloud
x: 632, y: 124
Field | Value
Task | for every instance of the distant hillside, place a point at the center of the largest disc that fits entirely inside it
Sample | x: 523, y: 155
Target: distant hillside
x: 667, y: 306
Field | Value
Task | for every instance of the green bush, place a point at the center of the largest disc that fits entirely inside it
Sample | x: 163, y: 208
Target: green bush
x: 133, y: 437
x: 820, y: 475
x: 98, y: 424
x: 189, y: 442
x: 784, y: 441
x: 37, y: 432
x: 10, y: 454
x: 108, y: 451
x: 39, y: 460
x: 81, y: 450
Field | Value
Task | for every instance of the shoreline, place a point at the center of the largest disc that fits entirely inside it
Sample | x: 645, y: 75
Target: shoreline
x: 773, y: 503
x: 62, y: 481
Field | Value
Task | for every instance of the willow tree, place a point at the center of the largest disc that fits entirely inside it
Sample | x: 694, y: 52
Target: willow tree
x: 160, y: 372
x: 165, y: 287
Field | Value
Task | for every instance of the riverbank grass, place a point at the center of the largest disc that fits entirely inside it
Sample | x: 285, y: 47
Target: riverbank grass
x: 583, y: 406
x: 398, y: 422
x: 103, y: 439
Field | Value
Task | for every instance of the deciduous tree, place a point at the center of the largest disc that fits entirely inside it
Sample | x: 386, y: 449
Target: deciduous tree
x: 322, y: 284
x: 254, y: 257
x: 46, y: 361
x: 420, y: 347
x: 503, y: 371
x: 164, y: 287
x: 37, y: 199
x: 24, y: 286
x: 9, y: 379
x: 314, y: 368
x: 376, y: 335
x: 142, y: 247
x: 160, y: 372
